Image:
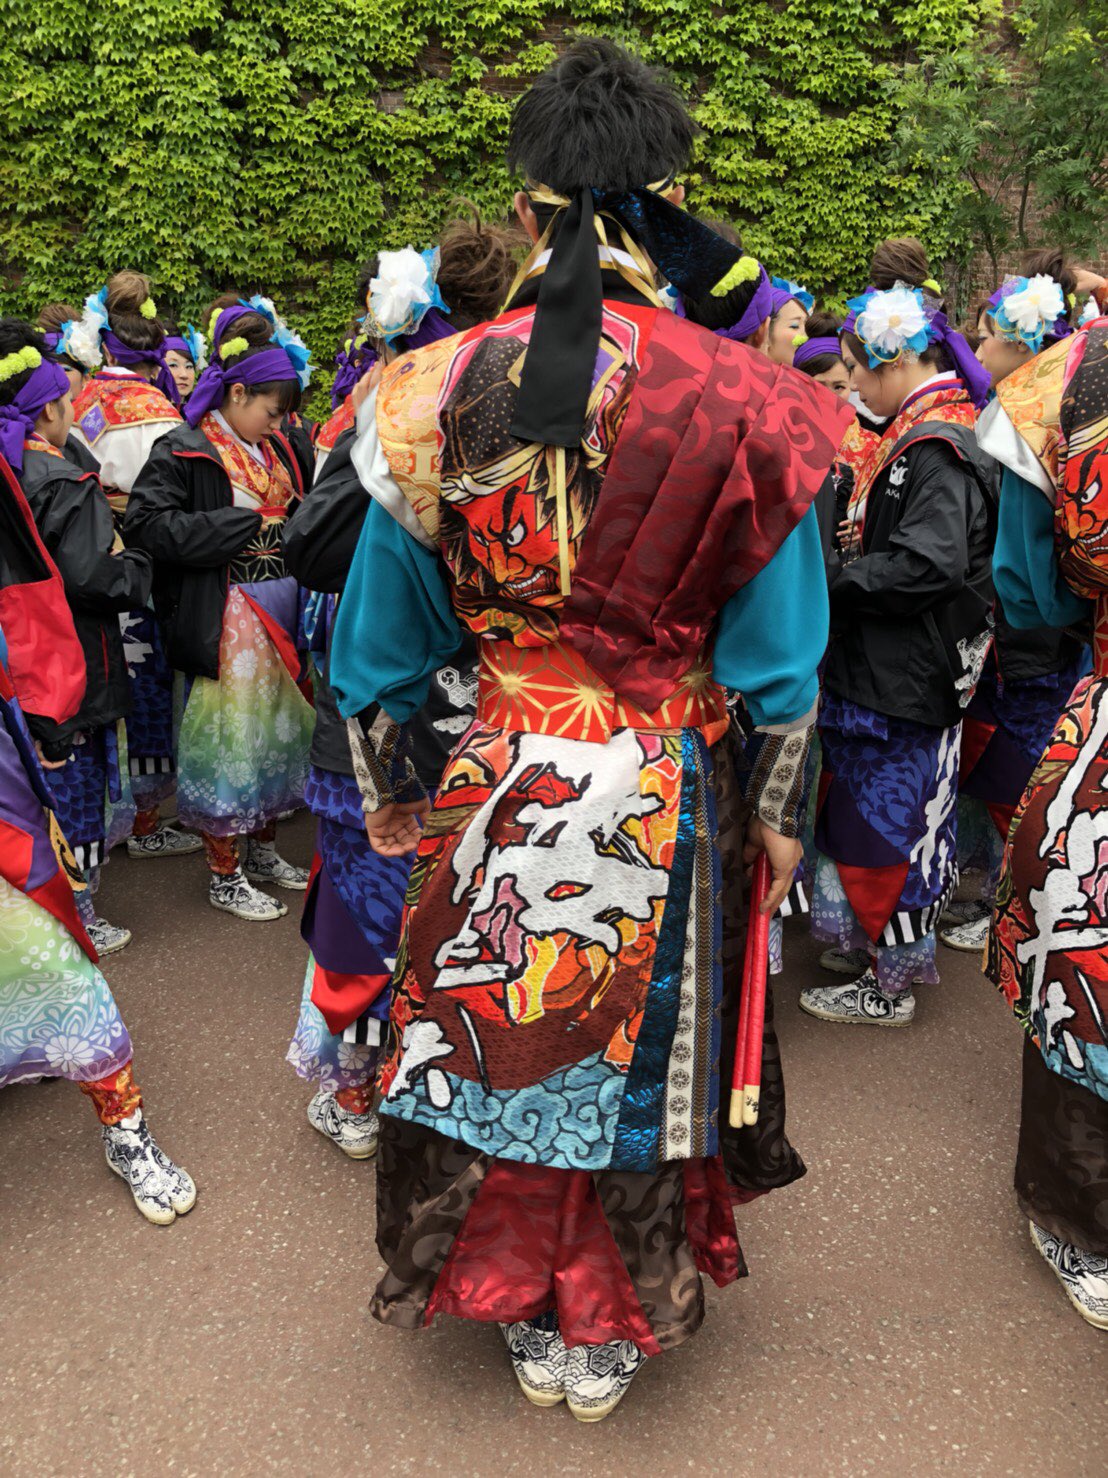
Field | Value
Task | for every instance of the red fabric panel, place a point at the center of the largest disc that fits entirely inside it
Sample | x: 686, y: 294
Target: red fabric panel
x: 976, y: 735
x: 720, y: 455
x: 1002, y: 817
x: 873, y: 893
x: 536, y: 1239
x: 286, y: 646
x: 342, y: 998
x: 710, y: 1221
x: 45, y: 659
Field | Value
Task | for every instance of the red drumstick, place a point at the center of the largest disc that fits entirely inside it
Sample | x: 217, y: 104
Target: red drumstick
x: 745, y: 1047
x: 759, y: 972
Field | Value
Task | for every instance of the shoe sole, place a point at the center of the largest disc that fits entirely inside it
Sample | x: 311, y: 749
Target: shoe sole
x: 251, y: 918
x: 160, y: 1218
x: 854, y: 1020
x: 258, y: 877
x: 593, y: 1413
x: 965, y: 949
x: 1096, y: 1320
x: 159, y: 856
x: 363, y: 1152
x: 113, y: 949
x: 541, y: 1398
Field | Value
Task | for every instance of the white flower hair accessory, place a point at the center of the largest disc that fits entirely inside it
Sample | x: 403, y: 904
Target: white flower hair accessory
x: 1089, y: 314
x: 91, y: 325
x: 1029, y: 309
x: 403, y: 292
x: 80, y: 342
x: 890, y: 322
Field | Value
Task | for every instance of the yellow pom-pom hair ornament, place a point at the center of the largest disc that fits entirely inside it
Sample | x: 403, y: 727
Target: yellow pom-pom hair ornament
x: 798, y: 339
x: 148, y: 308
x: 27, y: 358
x: 746, y: 269
x: 232, y: 347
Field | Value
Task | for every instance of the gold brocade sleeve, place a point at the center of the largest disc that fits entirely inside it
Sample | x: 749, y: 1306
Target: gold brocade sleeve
x: 408, y: 426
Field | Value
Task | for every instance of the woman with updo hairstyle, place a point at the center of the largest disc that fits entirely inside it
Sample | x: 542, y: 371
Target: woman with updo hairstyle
x: 1030, y: 671
x: 209, y: 508
x: 357, y: 894
x: 120, y: 413
x: 910, y: 619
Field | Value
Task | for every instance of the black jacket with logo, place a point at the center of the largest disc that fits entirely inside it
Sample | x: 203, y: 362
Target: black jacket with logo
x: 182, y: 512
x: 75, y: 523
x: 911, y: 616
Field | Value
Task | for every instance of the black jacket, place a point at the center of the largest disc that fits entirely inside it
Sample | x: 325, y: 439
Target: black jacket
x: 75, y: 523
x: 1039, y: 651
x: 181, y: 511
x: 78, y: 453
x: 910, y: 618
x: 319, y: 543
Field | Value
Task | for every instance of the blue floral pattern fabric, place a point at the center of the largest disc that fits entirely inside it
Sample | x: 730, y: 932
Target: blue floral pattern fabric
x: 58, y: 1017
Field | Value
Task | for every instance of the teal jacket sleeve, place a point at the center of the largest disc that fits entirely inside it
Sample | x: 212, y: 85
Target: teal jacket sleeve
x: 772, y: 633
x: 1025, y: 566
x: 395, y: 625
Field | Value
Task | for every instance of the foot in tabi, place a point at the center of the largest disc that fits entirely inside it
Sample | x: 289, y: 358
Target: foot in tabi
x: 355, y: 1134
x: 599, y: 1376
x: 845, y: 961
x: 165, y: 842
x: 858, y: 1004
x: 107, y: 938
x: 162, y: 1190
x: 964, y: 911
x: 233, y: 894
x: 972, y: 936
x: 539, y: 1358
x: 1084, y: 1275
x: 263, y: 865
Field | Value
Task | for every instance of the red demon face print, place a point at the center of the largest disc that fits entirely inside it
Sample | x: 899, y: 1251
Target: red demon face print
x: 520, y: 558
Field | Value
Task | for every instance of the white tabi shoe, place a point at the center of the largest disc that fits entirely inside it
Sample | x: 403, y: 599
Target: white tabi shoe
x: 858, y: 1004
x: 233, y: 894
x: 539, y: 1359
x: 599, y: 1376
x: 165, y: 842
x: 971, y: 937
x: 845, y: 961
x: 1084, y: 1275
x: 162, y: 1190
x: 355, y: 1134
x: 107, y: 939
x: 263, y: 865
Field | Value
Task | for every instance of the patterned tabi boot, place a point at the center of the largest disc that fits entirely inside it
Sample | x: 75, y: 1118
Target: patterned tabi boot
x: 1084, y: 1275
x: 162, y: 1190
x: 165, y: 842
x: 599, y: 1376
x: 231, y: 893
x: 539, y: 1358
x: 263, y: 865
x: 859, y: 1004
x: 963, y: 911
x: 107, y: 938
x: 971, y: 937
x: 845, y: 961
x: 355, y: 1134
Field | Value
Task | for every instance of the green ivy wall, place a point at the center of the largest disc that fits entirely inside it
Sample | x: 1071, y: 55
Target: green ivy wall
x: 270, y: 145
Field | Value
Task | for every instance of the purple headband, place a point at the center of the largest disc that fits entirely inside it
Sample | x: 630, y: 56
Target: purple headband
x: 260, y: 368
x: 813, y: 348
x: 972, y: 373
x: 225, y: 319
x: 755, y: 314
x: 123, y: 354
x: 779, y: 296
x: 47, y: 382
x: 174, y: 344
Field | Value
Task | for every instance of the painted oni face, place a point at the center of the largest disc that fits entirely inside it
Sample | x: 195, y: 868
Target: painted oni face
x: 521, y: 559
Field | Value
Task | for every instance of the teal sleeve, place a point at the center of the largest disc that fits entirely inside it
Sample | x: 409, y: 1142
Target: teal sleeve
x: 395, y: 626
x: 1025, y: 565
x: 773, y: 632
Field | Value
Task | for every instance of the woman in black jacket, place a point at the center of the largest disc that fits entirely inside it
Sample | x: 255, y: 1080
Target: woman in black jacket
x: 209, y: 507
x: 74, y: 519
x: 910, y: 627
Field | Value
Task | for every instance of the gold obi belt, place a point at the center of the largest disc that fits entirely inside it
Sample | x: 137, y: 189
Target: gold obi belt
x: 551, y: 690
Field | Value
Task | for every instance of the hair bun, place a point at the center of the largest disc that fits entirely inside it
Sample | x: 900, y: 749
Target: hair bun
x: 127, y: 291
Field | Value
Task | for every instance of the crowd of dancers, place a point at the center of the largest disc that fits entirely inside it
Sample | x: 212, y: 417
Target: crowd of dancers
x: 616, y: 566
